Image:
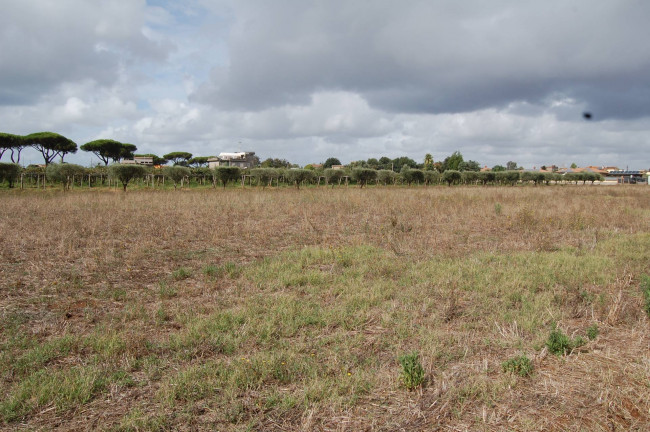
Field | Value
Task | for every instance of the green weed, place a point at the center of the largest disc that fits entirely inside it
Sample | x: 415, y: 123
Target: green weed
x: 558, y: 343
x: 520, y: 365
x: 412, y: 374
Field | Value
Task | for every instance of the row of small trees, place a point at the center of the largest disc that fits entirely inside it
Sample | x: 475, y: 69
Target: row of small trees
x: 125, y: 173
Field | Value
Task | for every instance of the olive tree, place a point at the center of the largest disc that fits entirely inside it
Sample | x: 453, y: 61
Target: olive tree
x: 486, y: 177
x: 386, y: 176
x: 177, y: 173
x: 527, y: 176
x: 126, y: 172
x: 64, y: 173
x: 431, y: 177
x: 593, y: 177
x: 411, y: 175
x: 363, y: 175
x: 451, y: 177
x: 50, y: 145
x: 9, y: 172
x: 469, y: 177
x: 226, y: 174
x: 265, y: 176
x: 572, y: 177
x: 333, y: 175
x: 297, y: 176
x: 508, y: 177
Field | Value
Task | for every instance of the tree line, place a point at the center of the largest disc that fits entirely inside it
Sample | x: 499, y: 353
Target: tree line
x: 454, y: 169
x: 65, y: 174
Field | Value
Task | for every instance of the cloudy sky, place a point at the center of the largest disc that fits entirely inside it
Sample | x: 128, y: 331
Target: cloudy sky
x: 305, y: 80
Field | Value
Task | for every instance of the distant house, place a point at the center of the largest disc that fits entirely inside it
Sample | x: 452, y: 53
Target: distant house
x: 239, y: 159
x: 139, y: 160
x: 338, y: 167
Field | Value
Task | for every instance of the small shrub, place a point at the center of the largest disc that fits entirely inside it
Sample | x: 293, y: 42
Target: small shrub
x: 520, y: 365
x: 497, y: 209
x: 558, y: 343
x: 592, y: 331
x: 412, y: 371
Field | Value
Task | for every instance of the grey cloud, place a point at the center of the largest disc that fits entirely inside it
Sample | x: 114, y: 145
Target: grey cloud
x: 438, y: 56
x: 44, y: 44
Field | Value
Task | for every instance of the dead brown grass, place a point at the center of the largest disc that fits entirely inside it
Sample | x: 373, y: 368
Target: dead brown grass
x: 92, y: 264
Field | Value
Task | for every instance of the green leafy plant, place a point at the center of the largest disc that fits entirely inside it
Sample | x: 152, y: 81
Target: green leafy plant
x: 558, y: 343
x: 412, y: 371
x: 520, y: 365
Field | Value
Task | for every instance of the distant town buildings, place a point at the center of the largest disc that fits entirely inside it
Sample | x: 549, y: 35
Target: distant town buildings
x: 139, y: 160
x: 238, y: 159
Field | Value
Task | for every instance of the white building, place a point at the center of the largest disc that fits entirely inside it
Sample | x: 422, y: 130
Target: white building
x: 239, y: 159
x: 139, y: 160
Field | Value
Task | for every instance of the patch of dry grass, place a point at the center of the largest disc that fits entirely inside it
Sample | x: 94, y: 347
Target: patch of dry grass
x: 243, y: 309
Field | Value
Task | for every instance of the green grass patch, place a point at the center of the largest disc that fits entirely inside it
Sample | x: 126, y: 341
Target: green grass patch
x: 64, y: 389
x: 181, y: 273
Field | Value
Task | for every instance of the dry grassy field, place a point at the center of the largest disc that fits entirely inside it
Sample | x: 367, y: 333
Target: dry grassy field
x: 281, y: 310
